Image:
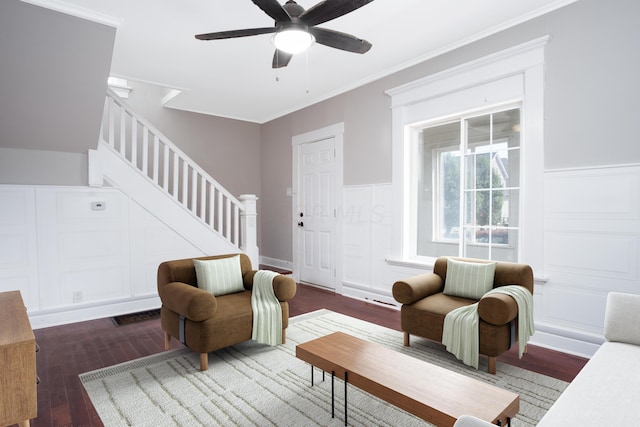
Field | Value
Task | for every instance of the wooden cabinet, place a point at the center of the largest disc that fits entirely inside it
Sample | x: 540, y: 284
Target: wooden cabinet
x: 18, y: 394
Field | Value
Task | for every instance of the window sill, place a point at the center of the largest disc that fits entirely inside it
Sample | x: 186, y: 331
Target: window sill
x: 428, y: 265
x: 425, y: 265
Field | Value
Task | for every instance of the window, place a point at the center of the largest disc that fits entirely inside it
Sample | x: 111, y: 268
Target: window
x: 457, y: 122
x: 467, y: 193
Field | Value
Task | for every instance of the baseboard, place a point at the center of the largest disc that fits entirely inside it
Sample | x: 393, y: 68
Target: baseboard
x: 566, y: 340
x: 278, y: 263
x: 91, y: 311
x: 355, y: 291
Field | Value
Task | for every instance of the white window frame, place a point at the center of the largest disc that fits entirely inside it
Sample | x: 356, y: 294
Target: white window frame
x: 512, y: 75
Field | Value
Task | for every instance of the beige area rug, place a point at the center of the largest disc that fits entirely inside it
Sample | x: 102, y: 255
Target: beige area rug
x: 257, y: 385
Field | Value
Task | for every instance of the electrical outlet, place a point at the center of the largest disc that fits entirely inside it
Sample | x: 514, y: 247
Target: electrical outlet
x: 77, y: 297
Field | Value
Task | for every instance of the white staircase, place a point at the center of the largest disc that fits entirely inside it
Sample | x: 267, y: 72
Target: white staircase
x: 135, y: 157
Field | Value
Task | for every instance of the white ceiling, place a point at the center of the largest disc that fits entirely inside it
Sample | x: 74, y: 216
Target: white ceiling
x: 233, y: 78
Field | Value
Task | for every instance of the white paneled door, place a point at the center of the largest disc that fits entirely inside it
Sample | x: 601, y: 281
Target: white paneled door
x: 316, y: 216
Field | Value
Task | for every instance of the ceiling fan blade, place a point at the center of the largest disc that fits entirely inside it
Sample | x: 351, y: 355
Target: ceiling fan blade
x: 235, y: 33
x: 340, y: 40
x: 274, y: 9
x: 280, y: 59
x: 330, y: 9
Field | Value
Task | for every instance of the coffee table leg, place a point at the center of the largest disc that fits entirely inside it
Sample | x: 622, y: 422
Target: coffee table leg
x: 333, y: 414
x: 312, y: 382
x: 508, y: 422
x: 346, y: 380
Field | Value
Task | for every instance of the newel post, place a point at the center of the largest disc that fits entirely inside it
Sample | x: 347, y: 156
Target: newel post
x: 249, y: 229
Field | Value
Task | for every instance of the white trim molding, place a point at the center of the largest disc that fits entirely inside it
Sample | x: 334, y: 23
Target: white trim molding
x: 335, y: 131
x: 77, y: 11
x: 519, y: 73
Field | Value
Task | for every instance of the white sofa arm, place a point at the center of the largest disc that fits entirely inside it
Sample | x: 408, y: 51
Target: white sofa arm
x: 469, y: 421
x: 622, y: 318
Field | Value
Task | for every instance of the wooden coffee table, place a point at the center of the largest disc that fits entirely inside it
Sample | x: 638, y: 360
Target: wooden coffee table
x: 430, y: 392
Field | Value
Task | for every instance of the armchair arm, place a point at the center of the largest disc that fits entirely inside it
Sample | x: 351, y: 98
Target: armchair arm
x: 497, y: 309
x: 283, y: 286
x: 415, y: 288
x: 188, y: 301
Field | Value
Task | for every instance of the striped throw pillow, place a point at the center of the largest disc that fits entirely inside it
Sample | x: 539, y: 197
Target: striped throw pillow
x: 219, y: 276
x: 468, y: 279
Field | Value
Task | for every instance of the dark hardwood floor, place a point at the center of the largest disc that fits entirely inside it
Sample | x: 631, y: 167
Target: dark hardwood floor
x: 69, y: 350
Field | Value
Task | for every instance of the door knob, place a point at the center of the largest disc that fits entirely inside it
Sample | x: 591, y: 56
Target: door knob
x: 301, y: 224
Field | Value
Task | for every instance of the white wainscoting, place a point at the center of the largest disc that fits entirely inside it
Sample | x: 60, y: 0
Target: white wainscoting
x: 83, y: 253
x: 18, y: 243
x: 367, y: 227
x: 592, y: 247
x: 152, y: 242
x: 73, y: 262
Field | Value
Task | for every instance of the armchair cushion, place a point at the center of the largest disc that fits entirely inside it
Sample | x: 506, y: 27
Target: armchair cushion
x: 219, y: 276
x: 469, y: 279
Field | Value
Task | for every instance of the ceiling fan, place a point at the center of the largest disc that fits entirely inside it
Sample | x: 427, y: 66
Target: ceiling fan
x: 295, y: 28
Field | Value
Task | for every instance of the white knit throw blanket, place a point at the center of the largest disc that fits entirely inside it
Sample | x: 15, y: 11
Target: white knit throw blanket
x: 460, y: 333
x: 267, y: 312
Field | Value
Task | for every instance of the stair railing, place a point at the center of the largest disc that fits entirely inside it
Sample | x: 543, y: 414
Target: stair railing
x: 153, y: 155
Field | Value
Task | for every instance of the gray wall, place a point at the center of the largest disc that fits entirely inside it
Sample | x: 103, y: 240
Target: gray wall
x: 53, y: 77
x: 592, y: 90
x: 38, y: 167
x: 591, y: 105
x: 229, y: 150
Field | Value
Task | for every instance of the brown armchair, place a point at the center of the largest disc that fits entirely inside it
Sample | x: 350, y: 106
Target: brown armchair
x: 210, y: 322
x: 424, y: 306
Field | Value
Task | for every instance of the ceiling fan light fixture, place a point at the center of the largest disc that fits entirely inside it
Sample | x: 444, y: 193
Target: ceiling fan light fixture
x: 293, y: 40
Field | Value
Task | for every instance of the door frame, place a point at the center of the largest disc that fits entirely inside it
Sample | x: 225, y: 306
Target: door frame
x: 336, y: 132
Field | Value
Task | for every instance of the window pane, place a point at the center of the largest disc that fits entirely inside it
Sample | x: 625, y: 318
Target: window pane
x: 478, y: 130
x: 438, y: 190
x: 473, y: 248
x: 506, y: 252
x: 506, y: 127
x: 483, y: 170
x: 450, y: 195
x: 507, y: 164
x: 478, y: 207
x: 509, y: 212
x: 487, y: 158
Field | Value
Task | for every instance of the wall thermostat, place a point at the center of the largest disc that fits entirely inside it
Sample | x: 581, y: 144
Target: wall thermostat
x: 98, y: 206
